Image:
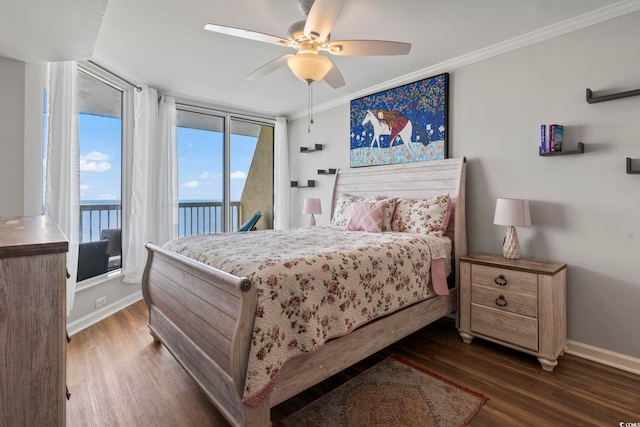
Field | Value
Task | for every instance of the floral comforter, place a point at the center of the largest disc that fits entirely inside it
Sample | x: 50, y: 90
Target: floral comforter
x: 317, y: 283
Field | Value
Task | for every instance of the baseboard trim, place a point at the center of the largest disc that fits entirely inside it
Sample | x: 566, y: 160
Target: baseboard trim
x: 98, y: 315
x: 605, y: 357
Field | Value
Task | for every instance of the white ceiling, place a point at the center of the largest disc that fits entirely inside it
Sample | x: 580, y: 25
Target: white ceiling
x: 162, y: 42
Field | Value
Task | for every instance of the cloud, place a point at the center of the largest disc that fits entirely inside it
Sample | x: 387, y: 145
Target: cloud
x: 85, y: 187
x: 210, y: 175
x: 238, y: 175
x: 97, y: 156
x: 95, y: 161
x: 191, y: 184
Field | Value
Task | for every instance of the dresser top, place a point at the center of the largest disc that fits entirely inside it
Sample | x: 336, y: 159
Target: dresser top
x: 20, y: 236
x: 530, y: 265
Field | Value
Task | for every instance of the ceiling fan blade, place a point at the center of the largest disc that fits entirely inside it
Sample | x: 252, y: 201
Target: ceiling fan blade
x: 368, y: 47
x: 334, y: 77
x: 321, y: 18
x: 269, y: 67
x: 248, y: 34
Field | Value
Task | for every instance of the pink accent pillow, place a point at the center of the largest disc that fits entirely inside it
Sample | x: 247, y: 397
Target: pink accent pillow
x: 366, y: 216
x: 423, y: 216
x: 343, y: 206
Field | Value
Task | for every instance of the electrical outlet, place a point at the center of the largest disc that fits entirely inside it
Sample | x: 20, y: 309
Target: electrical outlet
x: 101, y: 301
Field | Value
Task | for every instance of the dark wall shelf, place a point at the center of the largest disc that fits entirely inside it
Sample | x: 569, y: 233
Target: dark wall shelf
x: 594, y: 99
x: 580, y: 150
x: 327, y: 171
x: 316, y: 147
x: 310, y: 183
x: 630, y: 169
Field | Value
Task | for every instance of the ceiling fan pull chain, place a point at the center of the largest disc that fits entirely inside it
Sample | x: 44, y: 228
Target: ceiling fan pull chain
x: 309, y: 106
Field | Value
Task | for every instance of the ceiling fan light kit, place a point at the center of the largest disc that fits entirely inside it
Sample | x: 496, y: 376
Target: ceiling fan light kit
x: 309, y: 67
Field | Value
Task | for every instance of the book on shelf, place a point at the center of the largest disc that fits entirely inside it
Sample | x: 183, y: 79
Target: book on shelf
x: 544, y: 147
x: 556, y: 134
x: 551, y: 137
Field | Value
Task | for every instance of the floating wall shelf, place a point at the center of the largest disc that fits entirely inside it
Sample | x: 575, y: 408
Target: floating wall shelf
x: 310, y: 183
x: 580, y: 150
x: 317, y: 147
x: 594, y: 99
x: 327, y: 171
x: 630, y: 170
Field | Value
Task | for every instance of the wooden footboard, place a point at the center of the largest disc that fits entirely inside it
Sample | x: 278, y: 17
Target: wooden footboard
x: 204, y: 317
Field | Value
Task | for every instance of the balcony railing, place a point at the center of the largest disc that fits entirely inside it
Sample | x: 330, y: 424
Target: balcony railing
x: 204, y: 217
x: 96, y: 217
x: 193, y: 218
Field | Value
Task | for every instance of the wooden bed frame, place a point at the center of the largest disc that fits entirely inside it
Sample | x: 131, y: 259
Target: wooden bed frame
x: 204, y: 316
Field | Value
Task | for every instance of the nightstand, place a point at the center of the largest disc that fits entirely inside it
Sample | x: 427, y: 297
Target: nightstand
x: 520, y: 304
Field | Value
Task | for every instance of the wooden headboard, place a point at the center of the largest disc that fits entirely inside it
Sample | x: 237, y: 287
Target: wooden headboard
x: 420, y: 180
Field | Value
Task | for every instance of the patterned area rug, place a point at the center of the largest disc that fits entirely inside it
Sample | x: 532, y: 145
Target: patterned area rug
x: 392, y: 393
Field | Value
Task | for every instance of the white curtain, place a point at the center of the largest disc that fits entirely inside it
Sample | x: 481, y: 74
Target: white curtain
x: 143, y: 183
x: 154, y: 179
x: 167, y: 172
x: 281, y: 175
x: 62, y: 179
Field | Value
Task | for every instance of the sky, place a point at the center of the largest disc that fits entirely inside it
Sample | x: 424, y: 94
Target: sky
x: 199, y: 161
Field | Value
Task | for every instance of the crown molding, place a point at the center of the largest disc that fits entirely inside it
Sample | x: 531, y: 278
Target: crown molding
x: 581, y: 21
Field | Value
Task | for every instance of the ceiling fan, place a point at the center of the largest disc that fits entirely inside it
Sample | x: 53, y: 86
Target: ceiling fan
x: 309, y: 38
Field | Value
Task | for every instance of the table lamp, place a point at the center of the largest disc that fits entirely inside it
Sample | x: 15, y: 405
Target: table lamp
x: 512, y: 213
x: 312, y: 206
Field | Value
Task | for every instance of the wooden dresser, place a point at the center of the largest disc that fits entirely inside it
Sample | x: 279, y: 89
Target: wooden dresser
x: 517, y: 303
x: 32, y: 322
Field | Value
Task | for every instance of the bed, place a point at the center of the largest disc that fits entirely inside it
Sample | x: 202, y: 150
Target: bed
x: 207, y: 317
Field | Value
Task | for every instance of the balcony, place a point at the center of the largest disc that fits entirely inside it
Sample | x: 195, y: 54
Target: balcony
x: 193, y: 218
x: 103, y: 221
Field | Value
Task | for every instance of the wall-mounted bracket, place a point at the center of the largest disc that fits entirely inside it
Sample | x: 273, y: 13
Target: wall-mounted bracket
x: 327, y: 171
x: 317, y: 147
x: 630, y: 169
x: 310, y: 183
x: 580, y: 150
x: 594, y: 99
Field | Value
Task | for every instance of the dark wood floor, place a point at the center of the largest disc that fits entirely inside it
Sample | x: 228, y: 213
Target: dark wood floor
x: 118, y: 377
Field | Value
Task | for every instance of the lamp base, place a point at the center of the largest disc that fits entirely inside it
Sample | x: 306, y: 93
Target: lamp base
x: 312, y: 221
x: 511, y: 247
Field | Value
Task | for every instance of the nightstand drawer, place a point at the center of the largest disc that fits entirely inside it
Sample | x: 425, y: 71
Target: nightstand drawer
x: 510, y: 328
x: 505, y: 299
x: 502, y: 278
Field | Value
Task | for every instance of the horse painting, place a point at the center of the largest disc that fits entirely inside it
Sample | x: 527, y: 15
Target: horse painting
x: 380, y: 127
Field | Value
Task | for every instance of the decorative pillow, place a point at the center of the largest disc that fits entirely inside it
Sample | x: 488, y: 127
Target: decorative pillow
x: 366, y: 216
x: 341, y: 211
x: 423, y: 216
x: 345, y: 201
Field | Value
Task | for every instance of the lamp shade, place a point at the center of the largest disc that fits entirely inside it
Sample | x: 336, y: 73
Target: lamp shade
x: 309, y: 67
x: 513, y: 212
x: 312, y: 206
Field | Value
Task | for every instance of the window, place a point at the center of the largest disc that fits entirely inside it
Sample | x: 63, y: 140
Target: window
x: 217, y: 195
x: 100, y: 142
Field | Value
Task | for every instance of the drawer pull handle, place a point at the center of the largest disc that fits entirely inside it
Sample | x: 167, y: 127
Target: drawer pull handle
x: 501, y: 302
x: 501, y: 280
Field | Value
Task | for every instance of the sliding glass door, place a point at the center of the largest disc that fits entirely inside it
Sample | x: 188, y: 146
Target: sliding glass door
x: 225, y: 171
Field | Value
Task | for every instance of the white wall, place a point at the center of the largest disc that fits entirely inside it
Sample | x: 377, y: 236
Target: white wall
x: 585, y: 208
x: 12, y: 120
